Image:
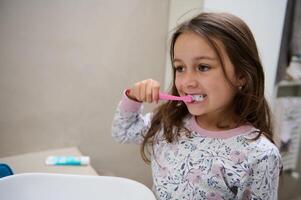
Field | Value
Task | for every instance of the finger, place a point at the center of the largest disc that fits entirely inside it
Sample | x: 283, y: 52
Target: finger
x: 142, y: 89
x: 149, y: 97
x: 155, y: 92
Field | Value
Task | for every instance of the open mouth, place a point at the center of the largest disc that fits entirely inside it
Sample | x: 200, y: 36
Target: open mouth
x: 198, y: 97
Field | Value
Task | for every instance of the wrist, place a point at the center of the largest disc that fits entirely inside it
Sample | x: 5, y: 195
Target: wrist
x: 127, y: 93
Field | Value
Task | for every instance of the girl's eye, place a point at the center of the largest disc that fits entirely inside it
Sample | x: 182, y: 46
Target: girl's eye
x: 179, y: 69
x: 203, y: 68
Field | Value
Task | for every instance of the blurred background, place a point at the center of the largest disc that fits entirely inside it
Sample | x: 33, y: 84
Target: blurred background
x: 65, y: 63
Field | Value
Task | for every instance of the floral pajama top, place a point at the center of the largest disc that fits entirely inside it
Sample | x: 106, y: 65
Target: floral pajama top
x: 207, y: 164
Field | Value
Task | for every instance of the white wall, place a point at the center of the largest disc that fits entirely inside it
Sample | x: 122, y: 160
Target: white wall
x: 266, y: 19
x: 63, y: 67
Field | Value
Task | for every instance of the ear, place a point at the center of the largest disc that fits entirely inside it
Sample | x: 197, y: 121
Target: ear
x: 240, y: 81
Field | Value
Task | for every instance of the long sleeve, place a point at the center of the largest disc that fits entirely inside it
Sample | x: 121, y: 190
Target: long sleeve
x: 129, y: 125
x: 262, y: 180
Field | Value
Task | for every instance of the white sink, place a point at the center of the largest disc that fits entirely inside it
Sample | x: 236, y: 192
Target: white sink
x: 44, y: 186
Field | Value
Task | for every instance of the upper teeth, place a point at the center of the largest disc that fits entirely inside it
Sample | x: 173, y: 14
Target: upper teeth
x: 199, y: 97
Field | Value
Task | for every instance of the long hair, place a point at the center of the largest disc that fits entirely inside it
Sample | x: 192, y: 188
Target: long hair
x: 249, y: 103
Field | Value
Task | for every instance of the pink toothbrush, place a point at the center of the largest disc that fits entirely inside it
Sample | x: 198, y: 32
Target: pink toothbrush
x: 187, y: 98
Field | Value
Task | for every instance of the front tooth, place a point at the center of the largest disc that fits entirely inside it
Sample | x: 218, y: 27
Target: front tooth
x: 198, y: 97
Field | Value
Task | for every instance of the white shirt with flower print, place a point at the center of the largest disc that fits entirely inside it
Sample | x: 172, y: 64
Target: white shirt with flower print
x: 204, y: 164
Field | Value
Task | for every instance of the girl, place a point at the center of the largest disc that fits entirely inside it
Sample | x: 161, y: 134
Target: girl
x: 222, y: 146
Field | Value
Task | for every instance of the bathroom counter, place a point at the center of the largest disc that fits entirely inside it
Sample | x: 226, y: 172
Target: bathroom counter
x: 35, y: 162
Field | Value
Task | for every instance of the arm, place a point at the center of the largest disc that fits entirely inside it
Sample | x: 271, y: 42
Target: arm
x: 129, y: 125
x: 262, y: 180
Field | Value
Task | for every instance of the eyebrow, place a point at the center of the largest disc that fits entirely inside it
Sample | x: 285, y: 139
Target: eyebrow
x: 196, y: 58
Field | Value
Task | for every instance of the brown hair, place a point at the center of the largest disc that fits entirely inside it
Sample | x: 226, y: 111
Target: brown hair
x: 249, y: 103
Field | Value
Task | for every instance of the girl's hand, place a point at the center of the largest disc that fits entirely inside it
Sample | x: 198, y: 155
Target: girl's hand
x: 145, y: 91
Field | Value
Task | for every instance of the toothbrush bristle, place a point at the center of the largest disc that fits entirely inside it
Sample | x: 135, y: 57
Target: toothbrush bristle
x: 189, y: 98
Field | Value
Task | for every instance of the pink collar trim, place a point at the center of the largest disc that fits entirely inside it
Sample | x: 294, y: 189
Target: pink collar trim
x: 241, y: 130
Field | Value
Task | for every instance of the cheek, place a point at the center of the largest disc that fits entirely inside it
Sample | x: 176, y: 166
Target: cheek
x: 178, y: 83
x: 220, y: 88
x: 223, y: 91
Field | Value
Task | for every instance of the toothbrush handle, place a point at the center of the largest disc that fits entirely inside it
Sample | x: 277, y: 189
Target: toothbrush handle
x: 164, y: 96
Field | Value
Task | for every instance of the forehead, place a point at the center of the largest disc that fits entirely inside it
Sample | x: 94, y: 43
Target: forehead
x: 190, y: 44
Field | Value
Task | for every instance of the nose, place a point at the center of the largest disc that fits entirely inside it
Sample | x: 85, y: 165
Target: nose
x: 190, y: 80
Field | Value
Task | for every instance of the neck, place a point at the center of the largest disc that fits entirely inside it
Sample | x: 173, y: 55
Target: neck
x: 217, y: 122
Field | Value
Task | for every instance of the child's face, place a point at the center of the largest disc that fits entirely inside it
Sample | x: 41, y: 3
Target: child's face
x: 198, y: 71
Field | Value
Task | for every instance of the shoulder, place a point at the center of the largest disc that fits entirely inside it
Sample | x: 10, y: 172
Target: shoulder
x: 263, y: 152
x: 260, y: 145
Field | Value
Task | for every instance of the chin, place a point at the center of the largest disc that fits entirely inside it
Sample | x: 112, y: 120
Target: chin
x: 194, y: 111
